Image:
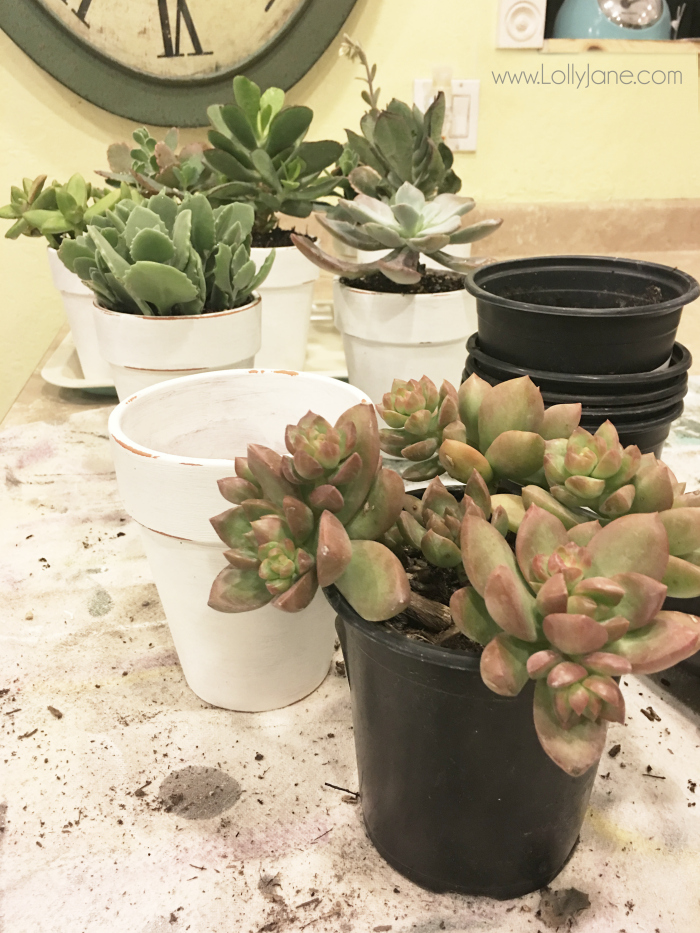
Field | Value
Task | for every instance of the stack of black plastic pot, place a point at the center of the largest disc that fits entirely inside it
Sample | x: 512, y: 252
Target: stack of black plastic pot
x: 595, y: 330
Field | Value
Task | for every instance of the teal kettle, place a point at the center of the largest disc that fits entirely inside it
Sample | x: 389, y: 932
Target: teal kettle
x: 613, y: 19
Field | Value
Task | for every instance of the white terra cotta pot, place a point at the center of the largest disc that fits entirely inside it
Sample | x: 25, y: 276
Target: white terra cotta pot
x: 78, y: 300
x: 393, y: 336
x: 144, y: 350
x: 171, y: 443
x: 287, y: 296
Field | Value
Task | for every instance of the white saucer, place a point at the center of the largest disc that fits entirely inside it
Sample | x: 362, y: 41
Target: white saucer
x: 63, y: 369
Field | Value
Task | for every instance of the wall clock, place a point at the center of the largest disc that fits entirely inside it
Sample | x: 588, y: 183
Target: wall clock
x: 164, y: 61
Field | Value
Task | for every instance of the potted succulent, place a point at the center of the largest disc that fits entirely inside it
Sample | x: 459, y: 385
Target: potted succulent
x: 483, y: 640
x: 394, y: 314
x: 260, y: 152
x: 175, y: 287
x: 62, y: 212
x: 172, y: 443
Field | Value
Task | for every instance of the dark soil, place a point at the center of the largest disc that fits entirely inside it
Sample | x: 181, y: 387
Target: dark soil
x: 436, y: 584
x: 275, y: 238
x: 585, y: 300
x: 431, y: 283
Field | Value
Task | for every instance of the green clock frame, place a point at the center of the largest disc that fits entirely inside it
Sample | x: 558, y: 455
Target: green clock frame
x: 180, y: 101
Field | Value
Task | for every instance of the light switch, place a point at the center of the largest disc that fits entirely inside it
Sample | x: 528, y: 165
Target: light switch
x: 463, y: 117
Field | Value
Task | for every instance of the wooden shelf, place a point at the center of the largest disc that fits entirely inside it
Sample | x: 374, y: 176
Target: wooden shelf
x: 639, y: 46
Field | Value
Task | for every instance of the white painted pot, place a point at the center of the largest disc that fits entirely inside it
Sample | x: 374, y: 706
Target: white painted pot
x: 78, y: 300
x: 144, y: 350
x: 171, y: 443
x: 392, y: 336
x: 287, y: 296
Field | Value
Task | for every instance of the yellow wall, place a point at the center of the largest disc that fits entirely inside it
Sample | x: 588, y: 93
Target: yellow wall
x: 535, y: 143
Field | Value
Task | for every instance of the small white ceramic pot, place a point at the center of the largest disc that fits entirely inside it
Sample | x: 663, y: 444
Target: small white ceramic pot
x: 392, y: 336
x: 171, y: 443
x: 144, y: 350
x: 287, y: 296
x: 78, y: 300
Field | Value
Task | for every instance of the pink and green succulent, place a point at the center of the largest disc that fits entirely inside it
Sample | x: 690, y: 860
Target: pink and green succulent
x: 571, y: 610
x: 433, y: 524
x: 312, y: 517
x: 419, y: 419
x: 499, y: 431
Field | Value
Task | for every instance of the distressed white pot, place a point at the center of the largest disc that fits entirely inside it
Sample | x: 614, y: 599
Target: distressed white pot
x: 171, y: 443
x: 78, y: 300
x: 287, y: 296
x: 144, y: 350
x: 392, y: 336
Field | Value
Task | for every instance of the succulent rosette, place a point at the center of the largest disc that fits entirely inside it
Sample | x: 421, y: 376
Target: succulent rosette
x: 433, y: 524
x: 312, y: 517
x: 571, y: 610
x: 419, y: 418
x: 499, y: 431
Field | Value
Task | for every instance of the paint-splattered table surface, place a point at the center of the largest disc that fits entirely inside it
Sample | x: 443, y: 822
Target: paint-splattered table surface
x: 98, y: 728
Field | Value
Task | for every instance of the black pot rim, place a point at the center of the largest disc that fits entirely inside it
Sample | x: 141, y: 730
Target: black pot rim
x: 445, y: 657
x: 665, y: 418
x: 577, y: 262
x: 680, y: 357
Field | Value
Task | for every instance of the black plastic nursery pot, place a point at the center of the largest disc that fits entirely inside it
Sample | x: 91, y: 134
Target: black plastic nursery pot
x: 578, y: 384
x: 580, y: 314
x: 692, y: 606
x: 457, y: 793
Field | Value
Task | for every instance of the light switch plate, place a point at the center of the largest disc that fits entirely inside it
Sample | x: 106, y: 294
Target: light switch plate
x: 521, y: 24
x: 465, y: 115
x: 465, y: 106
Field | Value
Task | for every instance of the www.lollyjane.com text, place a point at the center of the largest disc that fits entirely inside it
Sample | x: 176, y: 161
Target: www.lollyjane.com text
x: 581, y: 78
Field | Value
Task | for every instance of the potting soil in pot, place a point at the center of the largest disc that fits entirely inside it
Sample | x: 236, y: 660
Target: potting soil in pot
x: 431, y: 283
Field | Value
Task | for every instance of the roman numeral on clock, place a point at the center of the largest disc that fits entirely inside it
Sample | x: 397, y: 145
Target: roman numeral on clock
x: 82, y: 11
x: 182, y: 15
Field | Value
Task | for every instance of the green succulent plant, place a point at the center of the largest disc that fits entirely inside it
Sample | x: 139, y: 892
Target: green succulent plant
x: 259, y: 148
x: 592, y: 471
x: 57, y: 212
x: 312, y: 518
x: 419, y: 418
x: 157, y: 165
x: 407, y: 224
x: 503, y: 432
x: 570, y: 610
x: 433, y: 523
x: 168, y: 258
x: 500, y: 431
x: 399, y: 144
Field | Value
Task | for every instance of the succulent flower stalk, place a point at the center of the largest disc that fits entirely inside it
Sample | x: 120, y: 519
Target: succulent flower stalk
x: 168, y: 258
x: 312, y: 517
x: 399, y: 144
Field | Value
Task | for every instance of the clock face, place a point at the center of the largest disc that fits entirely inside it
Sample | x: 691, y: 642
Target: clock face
x: 163, y: 62
x: 176, y: 38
